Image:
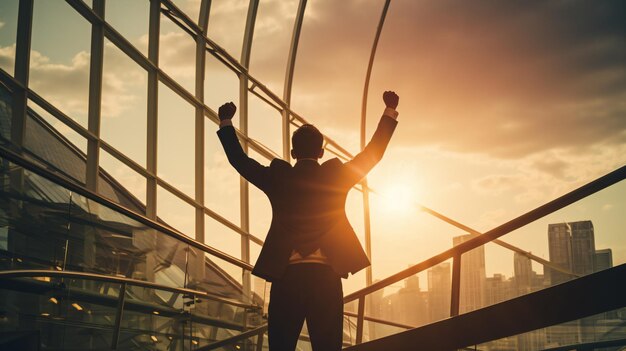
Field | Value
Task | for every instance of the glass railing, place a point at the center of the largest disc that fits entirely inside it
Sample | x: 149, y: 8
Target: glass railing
x: 81, y: 311
x: 570, y: 237
x: 55, y: 227
x: 604, y: 331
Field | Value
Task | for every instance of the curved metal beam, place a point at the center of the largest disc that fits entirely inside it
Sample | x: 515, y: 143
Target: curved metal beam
x: 366, y: 198
x: 291, y: 63
x: 33, y: 273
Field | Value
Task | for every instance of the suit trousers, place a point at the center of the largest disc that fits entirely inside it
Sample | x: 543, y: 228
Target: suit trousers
x: 311, y: 292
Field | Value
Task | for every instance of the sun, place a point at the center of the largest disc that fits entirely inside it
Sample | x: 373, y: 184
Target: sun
x: 398, y: 198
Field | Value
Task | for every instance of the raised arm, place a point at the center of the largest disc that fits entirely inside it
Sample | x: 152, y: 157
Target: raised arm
x: 250, y: 169
x: 357, y: 168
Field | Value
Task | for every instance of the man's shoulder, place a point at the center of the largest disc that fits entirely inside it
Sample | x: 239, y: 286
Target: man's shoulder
x: 332, y: 163
x: 279, y: 164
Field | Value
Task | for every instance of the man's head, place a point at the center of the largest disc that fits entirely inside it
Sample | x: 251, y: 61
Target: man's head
x: 307, y: 142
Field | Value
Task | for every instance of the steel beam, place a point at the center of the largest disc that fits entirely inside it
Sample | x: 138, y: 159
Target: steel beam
x: 291, y: 65
x: 95, y: 97
x: 153, y: 96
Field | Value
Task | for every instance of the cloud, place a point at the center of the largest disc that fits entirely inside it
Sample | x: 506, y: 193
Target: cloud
x: 505, y: 79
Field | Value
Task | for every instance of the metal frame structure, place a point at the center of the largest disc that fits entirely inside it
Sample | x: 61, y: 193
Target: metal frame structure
x: 197, y: 30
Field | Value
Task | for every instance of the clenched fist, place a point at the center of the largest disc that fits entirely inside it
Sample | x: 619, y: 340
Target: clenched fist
x: 391, y: 99
x: 226, y: 111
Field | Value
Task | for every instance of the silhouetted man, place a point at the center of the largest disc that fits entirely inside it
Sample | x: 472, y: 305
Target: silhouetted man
x: 310, y: 245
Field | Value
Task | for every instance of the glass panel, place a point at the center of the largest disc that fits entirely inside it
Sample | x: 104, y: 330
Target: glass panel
x: 38, y: 114
x: 136, y: 31
x: 221, y: 85
x: 190, y: 7
x: 418, y: 300
x: 227, y: 24
x: 577, y: 240
x: 603, y: 331
x: 175, y: 212
x: 221, y: 237
x: 64, y: 312
x: 221, y: 187
x: 260, y: 208
x: 270, y: 47
x: 177, y: 54
x: 265, y: 124
x: 124, y: 104
x: 55, y: 143
x: 261, y: 290
x: 6, y: 114
x: 60, y: 53
x: 130, y: 182
x: 154, y: 319
x: 8, y: 33
x: 222, y: 278
x: 176, y: 155
x: 33, y: 221
x: 473, y: 276
x: 400, y: 232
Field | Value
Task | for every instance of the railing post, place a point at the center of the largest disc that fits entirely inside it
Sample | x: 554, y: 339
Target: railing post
x: 360, y: 320
x: 118, y: 316
x: 259, y: 341
x: 456, y: 285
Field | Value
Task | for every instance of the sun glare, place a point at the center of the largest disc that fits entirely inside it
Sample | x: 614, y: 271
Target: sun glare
x: 399, y: 198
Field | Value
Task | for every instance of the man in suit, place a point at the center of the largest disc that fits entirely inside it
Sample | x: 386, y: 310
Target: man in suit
x: 310, y: 245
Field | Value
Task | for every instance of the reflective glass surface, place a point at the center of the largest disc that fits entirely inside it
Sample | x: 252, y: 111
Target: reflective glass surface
x: 50, y: 62
x: 8, y: 32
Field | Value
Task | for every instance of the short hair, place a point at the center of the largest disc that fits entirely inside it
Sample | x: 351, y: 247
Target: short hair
x: 307, y: 141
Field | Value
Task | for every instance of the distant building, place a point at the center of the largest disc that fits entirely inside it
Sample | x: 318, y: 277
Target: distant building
x: 572, y: 246
x: 583, y: 247
x: 472, y: 276
x: 497, y: 289
x: 408, y: 305
x: 439, y: 289
x: 523, y: 278
x: 560, y: 250
x: 604, y: 259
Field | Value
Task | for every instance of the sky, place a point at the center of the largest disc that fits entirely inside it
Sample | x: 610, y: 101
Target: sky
x: 503, y: 107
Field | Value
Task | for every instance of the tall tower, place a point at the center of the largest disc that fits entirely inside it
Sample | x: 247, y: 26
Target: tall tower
x: 523, y: 274
x: 560, y: 250
x: 603, y: 259
x: 472, y: 276
x: 583, y: 247
x: 439, y: 289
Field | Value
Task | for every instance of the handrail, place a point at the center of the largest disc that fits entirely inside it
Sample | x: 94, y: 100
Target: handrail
x: 470, y: 230
x: 529, y: 217
x: 41, y: 171
x: 32, y: 273
x: 575, y: 299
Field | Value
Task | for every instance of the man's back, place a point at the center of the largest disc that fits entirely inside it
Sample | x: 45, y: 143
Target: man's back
x: 310, y: 244
x: 308, y: 203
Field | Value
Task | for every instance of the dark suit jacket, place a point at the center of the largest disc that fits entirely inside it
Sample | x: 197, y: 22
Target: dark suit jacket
x: 308, y: 203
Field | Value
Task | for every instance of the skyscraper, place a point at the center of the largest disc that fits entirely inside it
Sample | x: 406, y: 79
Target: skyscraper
x: 583, y: 247
x: 523, y: 270
x: 560, y: 250
x: 439, y: 289
x: 604, y: 259
x: 472, y: 276
x: 572, y: 246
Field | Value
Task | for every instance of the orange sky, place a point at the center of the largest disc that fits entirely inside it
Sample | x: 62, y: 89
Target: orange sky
x: 503, y: 106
